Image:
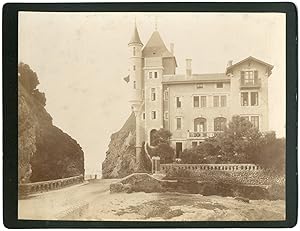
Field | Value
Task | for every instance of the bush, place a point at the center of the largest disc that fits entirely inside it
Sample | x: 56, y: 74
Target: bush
x: 161, y: 146
x: 239, y: 143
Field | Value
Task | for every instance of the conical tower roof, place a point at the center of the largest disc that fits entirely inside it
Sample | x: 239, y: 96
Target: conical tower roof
x: 135, y: 37
x: 155, y: 47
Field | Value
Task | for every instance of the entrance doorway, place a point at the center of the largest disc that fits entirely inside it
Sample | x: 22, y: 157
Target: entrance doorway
x: 178, y: 149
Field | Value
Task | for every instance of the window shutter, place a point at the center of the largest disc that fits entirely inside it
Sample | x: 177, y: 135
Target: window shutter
x: 242, y: 77
x: 255, y: 76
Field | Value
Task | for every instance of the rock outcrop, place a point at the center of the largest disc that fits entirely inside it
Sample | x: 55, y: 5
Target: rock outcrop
x: 44, y: 151
x: 120, y: 157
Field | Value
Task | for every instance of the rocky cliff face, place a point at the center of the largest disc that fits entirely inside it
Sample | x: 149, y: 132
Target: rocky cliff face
x: 120, y: 157
x: 44, y: 151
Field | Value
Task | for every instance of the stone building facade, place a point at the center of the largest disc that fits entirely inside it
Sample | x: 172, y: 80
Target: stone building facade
x: 191, y: 106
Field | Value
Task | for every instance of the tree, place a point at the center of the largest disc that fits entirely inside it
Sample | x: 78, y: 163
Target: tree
x: 238, y: 140
x: 27, y: 77
x: 161, y: 146
x: 29, y: 80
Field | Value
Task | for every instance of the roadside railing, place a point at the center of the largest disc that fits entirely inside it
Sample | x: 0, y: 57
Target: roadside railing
x: 44, y: 186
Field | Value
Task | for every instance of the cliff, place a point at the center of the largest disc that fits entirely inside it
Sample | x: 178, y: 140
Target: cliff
x: 44, y: 151
x: 120, y: 157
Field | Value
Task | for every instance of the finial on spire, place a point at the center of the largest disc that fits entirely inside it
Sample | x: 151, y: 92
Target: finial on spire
x: 156, y: 23
x: 135, y: 21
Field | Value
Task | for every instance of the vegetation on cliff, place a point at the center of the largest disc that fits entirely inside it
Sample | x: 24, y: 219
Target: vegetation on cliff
x: 44, y: 151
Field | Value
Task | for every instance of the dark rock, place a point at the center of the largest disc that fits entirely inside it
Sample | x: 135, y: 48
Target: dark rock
x: 119, y: 188
x: 44, y: 151
x: 246, y: 200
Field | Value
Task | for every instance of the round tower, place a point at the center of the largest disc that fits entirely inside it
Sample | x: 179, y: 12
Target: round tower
x: 136, y: 83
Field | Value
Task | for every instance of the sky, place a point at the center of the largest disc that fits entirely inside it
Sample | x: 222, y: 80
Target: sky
x: 82, y: 58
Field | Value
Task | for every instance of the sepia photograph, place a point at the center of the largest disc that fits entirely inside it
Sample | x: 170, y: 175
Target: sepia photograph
x: 151, y: 116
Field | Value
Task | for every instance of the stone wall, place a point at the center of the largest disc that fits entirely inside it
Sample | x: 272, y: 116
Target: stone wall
x: 44, y: 186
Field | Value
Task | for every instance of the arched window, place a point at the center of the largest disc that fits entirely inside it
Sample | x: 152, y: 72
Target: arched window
x: 219, y: 124
x: 200, y: 124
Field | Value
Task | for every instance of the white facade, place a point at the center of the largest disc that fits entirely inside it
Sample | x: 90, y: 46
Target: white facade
x: 192, y: 106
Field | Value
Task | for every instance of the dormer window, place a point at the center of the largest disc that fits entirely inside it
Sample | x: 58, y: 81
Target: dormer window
x: 249, y: 77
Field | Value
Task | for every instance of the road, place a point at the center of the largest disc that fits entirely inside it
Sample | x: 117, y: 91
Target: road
x: 94, y: 202
x: 54, y: 204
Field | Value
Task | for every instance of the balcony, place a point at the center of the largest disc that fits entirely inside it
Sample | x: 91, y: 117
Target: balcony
x: 202, y: 135
x: 250, y: 83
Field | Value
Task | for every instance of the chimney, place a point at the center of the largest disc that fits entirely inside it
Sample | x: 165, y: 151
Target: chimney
x: 172, y: 48
x: 188, y: 67
x: 229, y: 63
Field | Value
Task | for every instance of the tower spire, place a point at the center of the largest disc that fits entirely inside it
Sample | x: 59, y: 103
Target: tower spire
x: 135, y: 36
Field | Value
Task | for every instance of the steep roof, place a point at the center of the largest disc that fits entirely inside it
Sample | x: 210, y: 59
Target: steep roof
x: 135, y: 37
x: 250, y: 58
x: 195, y: 78
x: 155, y: 47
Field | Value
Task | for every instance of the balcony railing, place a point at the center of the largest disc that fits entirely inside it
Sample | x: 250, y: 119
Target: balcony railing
x: 202, y: 135
x: 252, y: 83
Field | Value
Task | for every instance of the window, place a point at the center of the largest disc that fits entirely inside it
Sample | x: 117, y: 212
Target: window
x: 249, y: 77
x: 203, y: 101
x: 178, y: 123
x: 199, y: 85
x: 255, y: 121
x: 133, y: 51
x: 153, y: 94
x: 244, y: 99
x: 166, y: 117
x: 219, y: 124
x: 194, y: 144
x: 196, y: 101
x: 216, y: 101
x: 166, y: 95
x: 178, y: 102
x: 150, y: 75
x: 153, y: 115
x: 223, y: 101
x: 155, y: 74
x: 134, y: 67
x: 219, y: 85
x: 144, y: 115
x: 254, y: 98
x: 134, y: 84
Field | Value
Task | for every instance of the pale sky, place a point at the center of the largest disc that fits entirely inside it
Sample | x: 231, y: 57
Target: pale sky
x: 82, y: 58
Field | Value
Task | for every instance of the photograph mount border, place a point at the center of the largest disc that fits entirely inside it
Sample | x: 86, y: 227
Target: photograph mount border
x: 10, y: 107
